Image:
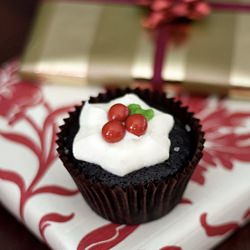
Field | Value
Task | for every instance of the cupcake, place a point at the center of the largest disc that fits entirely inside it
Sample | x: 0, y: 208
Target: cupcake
x: 131, y: 153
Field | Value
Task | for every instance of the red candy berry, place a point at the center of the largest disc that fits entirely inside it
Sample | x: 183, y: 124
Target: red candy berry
x: 113, y: 131
x: 118, y: 112
x: 136, y: 124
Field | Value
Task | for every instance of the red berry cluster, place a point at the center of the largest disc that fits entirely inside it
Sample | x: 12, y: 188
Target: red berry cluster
x: 120, y: 120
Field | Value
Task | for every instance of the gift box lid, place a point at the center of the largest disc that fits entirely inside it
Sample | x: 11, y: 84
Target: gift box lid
x: 97, y: 43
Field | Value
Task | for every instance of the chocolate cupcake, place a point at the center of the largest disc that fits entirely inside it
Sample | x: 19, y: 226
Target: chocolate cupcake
x: 131, y: 153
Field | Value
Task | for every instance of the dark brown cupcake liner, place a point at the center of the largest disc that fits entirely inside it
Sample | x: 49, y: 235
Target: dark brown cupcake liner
x: 136, y: 203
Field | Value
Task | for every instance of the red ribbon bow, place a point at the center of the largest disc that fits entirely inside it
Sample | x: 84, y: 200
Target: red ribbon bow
x: 166, y: 11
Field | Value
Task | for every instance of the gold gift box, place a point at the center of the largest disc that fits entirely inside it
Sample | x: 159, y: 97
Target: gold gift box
x: 86, y: 43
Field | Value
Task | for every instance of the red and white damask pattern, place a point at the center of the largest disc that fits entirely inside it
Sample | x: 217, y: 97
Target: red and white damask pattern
x: 37, y: 189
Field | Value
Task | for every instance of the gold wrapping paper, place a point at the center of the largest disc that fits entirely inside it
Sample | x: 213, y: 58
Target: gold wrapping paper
x: 84, y: 43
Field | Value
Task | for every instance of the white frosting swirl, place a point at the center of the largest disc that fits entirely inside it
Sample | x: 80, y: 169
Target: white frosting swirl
x: 132, y: 152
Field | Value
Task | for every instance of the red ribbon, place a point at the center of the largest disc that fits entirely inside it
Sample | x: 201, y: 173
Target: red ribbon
x: 162, y: 41
x: 242, y: 7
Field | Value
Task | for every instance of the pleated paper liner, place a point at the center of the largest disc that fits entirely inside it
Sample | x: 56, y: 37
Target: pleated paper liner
x: 138, y: 203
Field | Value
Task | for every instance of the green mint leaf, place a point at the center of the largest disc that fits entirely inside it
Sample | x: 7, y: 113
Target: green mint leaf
x: 136, y: 109
x: 149, y: 114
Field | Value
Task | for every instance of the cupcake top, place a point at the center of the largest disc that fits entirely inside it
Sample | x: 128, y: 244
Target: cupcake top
x: 132, y: 152
x: 185, y: 149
